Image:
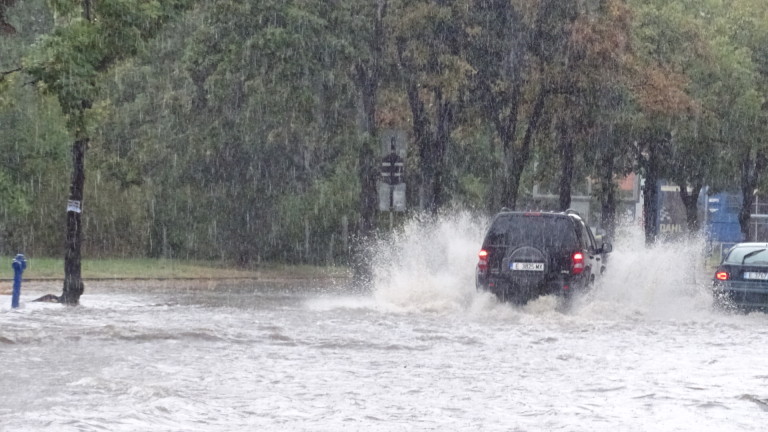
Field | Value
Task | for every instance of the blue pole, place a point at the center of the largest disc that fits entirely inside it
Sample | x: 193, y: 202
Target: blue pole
x: 19, y: 264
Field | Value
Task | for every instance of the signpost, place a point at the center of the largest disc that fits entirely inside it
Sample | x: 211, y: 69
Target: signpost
x: 392, y: 184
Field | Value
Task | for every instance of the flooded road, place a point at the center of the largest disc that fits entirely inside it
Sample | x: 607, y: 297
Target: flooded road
x: 424, y: 351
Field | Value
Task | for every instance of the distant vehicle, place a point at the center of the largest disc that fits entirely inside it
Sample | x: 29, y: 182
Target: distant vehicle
x: 529, y: 254
x: 741, y: 279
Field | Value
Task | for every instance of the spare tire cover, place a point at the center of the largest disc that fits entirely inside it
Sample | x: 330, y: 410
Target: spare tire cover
x: 526, y: 254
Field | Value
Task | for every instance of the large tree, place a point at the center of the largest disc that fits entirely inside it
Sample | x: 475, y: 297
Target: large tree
x: 745, y: 117
x: 663, y: 39
x: 429, y: 40
x: 90, y: 38
x: 590, y: 73
x: 365, y: 39
x: 506, y: 45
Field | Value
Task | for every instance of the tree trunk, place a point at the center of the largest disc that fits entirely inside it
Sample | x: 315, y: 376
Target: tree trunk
x: 440, y: 147
x: 690, y: 201
x: 511, y: 188
x: 517, y: 158
x: 607, y: 195
x: 651, y: 210
x: 73, y: 283
x: 750, y: 174
x: 651, y: 194
x: 367, y: 160
x: 566, y: 167
x: 368, y: 75
x: 423, y: 139
x: 748, y: 199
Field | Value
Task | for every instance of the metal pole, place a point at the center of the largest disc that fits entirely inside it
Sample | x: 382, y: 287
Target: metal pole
x: 391, y: 206
x: 19, y: 264
x: 757, y: 211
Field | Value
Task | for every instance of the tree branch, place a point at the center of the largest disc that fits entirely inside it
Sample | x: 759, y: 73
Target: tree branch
x: 4, y: 73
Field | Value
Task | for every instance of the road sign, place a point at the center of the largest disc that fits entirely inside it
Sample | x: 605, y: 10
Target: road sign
x: 392, y: 169
x: 394, y: 140
x: 392, y: 182
x: 392, y: 198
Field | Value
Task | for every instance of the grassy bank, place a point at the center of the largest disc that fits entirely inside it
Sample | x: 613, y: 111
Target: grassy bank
x: 145, y: 268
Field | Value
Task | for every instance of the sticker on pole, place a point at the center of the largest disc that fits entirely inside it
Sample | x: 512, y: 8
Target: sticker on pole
x: 74, y: 206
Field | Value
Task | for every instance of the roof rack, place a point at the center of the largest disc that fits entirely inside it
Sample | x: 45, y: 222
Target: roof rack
x: 572, y: 212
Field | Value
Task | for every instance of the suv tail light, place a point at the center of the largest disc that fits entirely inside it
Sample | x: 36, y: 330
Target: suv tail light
x: 577, y: 263
x: 722, y: 275
x: 482, y: 263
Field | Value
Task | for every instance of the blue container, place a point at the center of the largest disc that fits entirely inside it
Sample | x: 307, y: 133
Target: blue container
x: 723, y: 218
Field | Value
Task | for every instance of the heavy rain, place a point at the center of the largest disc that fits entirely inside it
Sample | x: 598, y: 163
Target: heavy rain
x: 275, y: 215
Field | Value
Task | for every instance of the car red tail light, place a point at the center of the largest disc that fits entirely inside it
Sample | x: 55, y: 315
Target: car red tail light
x: 722, y: 275
x: 577, y: 260
x: 482, y: 263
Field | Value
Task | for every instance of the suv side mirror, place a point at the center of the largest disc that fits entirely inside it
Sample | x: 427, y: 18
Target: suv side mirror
x: 607, y: 247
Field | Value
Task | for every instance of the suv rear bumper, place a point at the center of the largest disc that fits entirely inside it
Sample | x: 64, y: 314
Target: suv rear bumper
x: 521, y: 290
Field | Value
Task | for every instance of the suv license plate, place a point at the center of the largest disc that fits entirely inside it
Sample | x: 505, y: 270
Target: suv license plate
x: 756, y: 275
x: 527, y: 266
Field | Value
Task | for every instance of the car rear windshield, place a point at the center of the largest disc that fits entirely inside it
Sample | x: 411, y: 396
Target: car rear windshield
x: 754, y: 255
x: 532, y: 230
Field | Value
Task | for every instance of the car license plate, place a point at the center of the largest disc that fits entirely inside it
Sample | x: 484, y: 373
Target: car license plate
x: 527, y: 266
x: 756, y: 275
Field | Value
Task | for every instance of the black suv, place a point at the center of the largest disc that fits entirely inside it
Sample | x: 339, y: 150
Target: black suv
x: 529, y: 254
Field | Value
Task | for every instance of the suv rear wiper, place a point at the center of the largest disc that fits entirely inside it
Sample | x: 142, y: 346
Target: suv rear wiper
x: 751, y: 254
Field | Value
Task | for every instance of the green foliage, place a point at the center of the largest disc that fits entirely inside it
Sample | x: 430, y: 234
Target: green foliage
x: 231, y: 129
x: 65, y: 63
x: 68, y: 61
x: 33, y: 143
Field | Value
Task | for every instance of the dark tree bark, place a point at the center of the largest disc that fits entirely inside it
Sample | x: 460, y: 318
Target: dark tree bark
x: 367, y: 173
x: 750, y: 175
x: 87, y: 8
x: 73, y: 283
x: 690, y: 201
x: 566, y: 167
x: 438, y: 154
x: 431, y: 144
x: 651, y: 164
x: 607, y: 195
x: 650, y: 210
x: 517, y: 159
x: 422, y: 138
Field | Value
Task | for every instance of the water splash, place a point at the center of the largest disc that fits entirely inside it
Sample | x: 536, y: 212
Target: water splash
x: 667, y: 280
x: 428, y: 266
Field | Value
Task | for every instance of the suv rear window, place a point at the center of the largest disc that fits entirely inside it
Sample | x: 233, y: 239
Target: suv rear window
x: 532, y: 230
